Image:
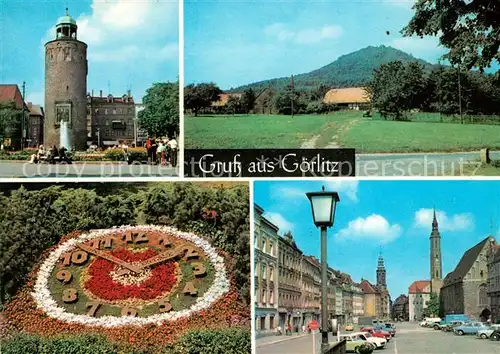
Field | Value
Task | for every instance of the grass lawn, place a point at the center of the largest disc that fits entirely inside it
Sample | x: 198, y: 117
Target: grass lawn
x: 346, y: 128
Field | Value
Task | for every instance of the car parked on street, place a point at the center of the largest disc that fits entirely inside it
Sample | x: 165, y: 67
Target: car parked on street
x: 377, y: 333
x: 495, y: 335
x: 355, y: 342
x: 470, y: 328
x: 451, y: 326
x: 378, y: 342
x: 385, y: 328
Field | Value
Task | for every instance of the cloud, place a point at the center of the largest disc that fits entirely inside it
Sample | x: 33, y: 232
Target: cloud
x: 346, y: 189
x: 278, y: 220
x: 282, y: 32
x: 120, y: 30
x: 373, y: 228
x: 455, y: 222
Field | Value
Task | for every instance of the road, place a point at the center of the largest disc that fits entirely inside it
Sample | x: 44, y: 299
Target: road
x: 409, y: 339
x: 16, y: 169
x: 427, y: 164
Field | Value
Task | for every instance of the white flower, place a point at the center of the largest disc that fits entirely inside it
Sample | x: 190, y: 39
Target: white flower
x: 45, y: 301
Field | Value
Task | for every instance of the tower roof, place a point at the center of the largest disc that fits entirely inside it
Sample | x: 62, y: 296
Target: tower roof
x: 66, y: 19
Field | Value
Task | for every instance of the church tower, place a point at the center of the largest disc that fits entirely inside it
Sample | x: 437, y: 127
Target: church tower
x: 435, y: 258
x: 381, y: 278
x: 66, y: 87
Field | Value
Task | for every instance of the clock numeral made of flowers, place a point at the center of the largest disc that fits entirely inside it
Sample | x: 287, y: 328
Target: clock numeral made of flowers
x: 133, y: 273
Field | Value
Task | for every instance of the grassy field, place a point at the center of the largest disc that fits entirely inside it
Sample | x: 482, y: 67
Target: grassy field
x: 344, y: 129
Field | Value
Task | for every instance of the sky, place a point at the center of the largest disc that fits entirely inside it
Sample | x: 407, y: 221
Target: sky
x: 233, y: 43
x: 131, y: 43
x: 392, y: 217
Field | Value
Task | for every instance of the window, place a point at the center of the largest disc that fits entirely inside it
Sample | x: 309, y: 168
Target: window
x: 114, y: 111
x: 105, y: 111
x: 481, y: 274
x: 264, y: 271
x: 271, y: 296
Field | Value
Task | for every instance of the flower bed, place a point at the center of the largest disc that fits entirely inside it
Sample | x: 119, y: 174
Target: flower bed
x: 33, y: 310
x: 101, y: 283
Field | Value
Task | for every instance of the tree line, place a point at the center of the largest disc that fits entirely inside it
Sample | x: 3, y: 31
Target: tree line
x: 396, y: 89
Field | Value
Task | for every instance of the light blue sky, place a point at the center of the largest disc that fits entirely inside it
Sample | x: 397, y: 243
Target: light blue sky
x: 238, y: 42
x: 132, y: 44
x: 392, y: 216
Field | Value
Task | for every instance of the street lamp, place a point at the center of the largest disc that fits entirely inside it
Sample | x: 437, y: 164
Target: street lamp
x: 323, y: 210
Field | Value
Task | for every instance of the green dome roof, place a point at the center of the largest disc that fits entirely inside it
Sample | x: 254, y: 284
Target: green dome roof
x: 66, y: 19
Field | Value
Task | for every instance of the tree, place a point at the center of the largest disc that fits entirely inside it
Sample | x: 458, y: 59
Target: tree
x: 200, y: 96
x: 234, y: 105
x: 283, y: 101
x: 433, y: 305
x: 395, y: 89
x: 161, y: 109
x: 248, y: 100
x: 10, y: 121
x: 469, y: 29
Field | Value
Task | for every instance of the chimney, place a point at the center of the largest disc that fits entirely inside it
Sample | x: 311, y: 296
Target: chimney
x: 100, y: 93
x: 128, y: 93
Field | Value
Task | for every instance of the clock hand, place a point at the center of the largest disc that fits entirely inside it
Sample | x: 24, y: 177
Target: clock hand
x: 108, y: 257
x: 164, y: 256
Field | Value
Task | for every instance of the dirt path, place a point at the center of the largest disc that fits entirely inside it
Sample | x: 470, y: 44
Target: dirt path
x: 334, y: 143
x: 310, y: 143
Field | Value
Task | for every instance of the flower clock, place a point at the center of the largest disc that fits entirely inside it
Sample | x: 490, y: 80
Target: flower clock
x: 131, y: 275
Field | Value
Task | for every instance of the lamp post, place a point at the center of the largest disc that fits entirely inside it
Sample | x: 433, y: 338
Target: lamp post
x: 323, y: 210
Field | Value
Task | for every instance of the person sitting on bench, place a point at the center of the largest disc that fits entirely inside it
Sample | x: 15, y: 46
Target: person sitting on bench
x: 62, y: 154
x: 53, y: 154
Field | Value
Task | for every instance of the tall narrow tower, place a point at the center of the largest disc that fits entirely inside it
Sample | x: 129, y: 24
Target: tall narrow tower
x: 381, y: 278
x: 435, y: 258
x: 66, y: 87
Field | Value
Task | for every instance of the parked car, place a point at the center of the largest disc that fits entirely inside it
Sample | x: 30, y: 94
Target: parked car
x: 427, y: 321
x: 349, y: 327
x: 389, y: 329
x: 486, y: 333
x: 470, y: 328
x: 378, y: 342
x: 495, y: 335
x: 451, y: 326
x: 355, y: 342
x: 377, y: 333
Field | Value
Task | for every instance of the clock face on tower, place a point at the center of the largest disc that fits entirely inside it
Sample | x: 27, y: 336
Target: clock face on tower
x: 130, y: 275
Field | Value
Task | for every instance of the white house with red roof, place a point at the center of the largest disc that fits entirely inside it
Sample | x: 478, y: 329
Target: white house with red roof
x: 419, y: 294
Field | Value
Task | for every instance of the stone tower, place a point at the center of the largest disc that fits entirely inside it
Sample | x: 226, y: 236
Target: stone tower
x: 66, y: 88
x: 435, y: 258
x: 381, y: 279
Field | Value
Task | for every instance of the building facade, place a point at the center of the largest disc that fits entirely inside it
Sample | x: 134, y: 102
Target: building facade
x: 436, y: 263
x: 266, y: 273
x: 35, y: 125
x: 290, y: 285
x: 465, y: 289
x: 371, y: 299
x: 11, y: 95
x: 400, y: 308
x: 419, y: 295
x: 494, y: 283
x: 66, y: 87
x: 111, y: 120
x: 358, y: 307
x: 311, y: 287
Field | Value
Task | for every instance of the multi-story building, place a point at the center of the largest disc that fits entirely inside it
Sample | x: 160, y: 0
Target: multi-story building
x: 311, y: 287
x: 419, y: 295
x: 332, y: 284
x: 266, y: 275
x: 35, y: 125
x: 10, y: 94
x: 465, y: 288
x: 290, y: 284
x: 494, y: 282
x: 358, y: 309
x: 400, y: 308
x: 111, y: 120
x: 371, y: 299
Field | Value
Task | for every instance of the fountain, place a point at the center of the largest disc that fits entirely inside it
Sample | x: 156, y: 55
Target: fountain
x: 64, y: 136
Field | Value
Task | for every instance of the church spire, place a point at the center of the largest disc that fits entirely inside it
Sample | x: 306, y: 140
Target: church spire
x: 434, y: 221
x: 381, y: 273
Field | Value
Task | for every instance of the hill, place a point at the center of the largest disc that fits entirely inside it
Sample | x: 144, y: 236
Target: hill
x: 350, y: 70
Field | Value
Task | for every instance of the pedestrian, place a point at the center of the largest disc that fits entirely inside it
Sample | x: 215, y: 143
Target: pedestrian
x: 172, y: 144
x: 148, y: 149
x: 154, y: 148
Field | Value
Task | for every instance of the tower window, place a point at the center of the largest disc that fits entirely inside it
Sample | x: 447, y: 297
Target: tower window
x: 437, y: 275
x: 67, y: 88
x: 481, y: 274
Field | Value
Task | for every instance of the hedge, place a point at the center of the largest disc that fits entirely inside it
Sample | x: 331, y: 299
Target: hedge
x: 234, y: 341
